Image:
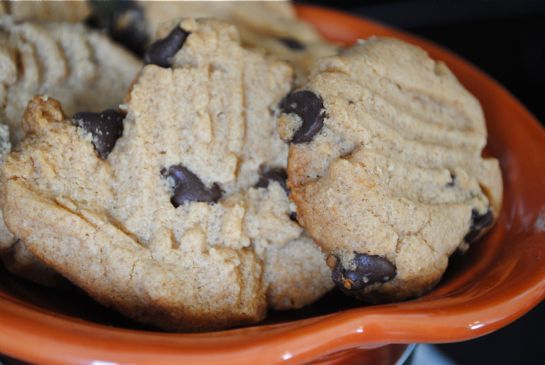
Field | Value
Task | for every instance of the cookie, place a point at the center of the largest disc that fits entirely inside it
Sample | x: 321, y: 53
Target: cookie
x: 385, y: 167
x: 69, y: 11
x: 171, y: 209
x: 82, y: 68
x: 270, y: 26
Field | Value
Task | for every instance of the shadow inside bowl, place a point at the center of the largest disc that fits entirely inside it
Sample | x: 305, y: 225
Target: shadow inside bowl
x: 74, y: 303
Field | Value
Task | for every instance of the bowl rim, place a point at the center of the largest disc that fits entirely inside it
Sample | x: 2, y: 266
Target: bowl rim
x: 26, y: 327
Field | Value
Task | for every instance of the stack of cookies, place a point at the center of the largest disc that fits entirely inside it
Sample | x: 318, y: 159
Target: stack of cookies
x: 227, y: 167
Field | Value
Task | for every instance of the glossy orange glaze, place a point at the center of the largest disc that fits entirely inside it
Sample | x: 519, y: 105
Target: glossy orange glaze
x: 500, y: 278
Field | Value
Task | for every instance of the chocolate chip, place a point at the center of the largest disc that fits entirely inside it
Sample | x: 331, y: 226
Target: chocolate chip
x: 189, y: 188
x: 277, y: 174
x: 478, y: 223
x: 161, y: 51
x: 369, y: 269
x: 292, y: 43
x: 105, y: 127
x: 293, y: 216
x: 310, y: 108
x: 123, y: 20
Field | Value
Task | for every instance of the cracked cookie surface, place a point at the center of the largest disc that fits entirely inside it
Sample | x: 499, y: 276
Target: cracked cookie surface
x: 385, y: 167
x: 134, y: 223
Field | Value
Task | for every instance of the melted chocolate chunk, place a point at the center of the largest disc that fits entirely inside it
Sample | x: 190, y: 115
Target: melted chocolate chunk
x: 161, y: 51
x: 277, y: 174
x: 124, y: 21
x: 478, y: 223
x: 310, y: 108
x: 292, y: 43
x: 369, y: 269
x: 105, y: 127
x: 189, y: 188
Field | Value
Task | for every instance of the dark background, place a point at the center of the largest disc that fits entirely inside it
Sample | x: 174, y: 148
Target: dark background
x: 506, y: 39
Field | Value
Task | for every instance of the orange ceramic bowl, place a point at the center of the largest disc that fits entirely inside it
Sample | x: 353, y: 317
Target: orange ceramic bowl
x: 499, y: 280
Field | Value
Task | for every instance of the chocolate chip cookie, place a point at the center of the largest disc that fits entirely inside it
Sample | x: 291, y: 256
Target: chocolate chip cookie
x: 385, y: 167
x: 270, y: 26
x: 82, y: 68
x: 173, y: 208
